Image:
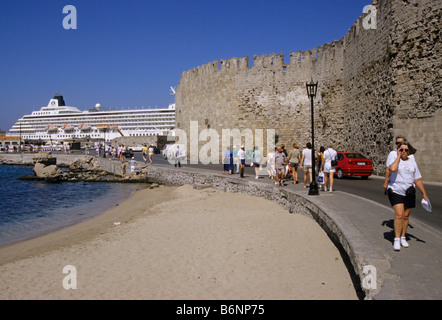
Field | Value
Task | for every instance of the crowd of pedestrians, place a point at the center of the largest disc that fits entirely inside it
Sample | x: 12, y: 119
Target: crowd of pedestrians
x: 402, y: 175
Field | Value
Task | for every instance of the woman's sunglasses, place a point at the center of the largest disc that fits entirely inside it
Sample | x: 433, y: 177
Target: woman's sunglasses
x: 402, y: 150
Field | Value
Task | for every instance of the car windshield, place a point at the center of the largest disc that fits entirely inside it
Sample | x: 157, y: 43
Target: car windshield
x: 354, y: 156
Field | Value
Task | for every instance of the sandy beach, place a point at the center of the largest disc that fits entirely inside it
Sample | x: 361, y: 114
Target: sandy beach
x: 181, y: 243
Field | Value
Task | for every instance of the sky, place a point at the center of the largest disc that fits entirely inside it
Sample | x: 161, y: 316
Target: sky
x: 128, y: 53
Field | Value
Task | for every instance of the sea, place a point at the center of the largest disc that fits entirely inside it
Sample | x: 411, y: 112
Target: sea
x: 32, y: 208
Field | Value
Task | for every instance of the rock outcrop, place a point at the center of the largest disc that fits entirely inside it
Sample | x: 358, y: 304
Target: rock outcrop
x: 45, y: 167
x: 85, y: 169
x: 45, y: 158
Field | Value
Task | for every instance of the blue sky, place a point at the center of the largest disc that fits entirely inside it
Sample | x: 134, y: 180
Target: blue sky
x: 127, y: 53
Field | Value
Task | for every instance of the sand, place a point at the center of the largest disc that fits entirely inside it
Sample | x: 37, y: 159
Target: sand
x: 180, y: 243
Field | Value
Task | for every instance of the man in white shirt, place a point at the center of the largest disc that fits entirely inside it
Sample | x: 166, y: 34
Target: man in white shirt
x: 151, y: 151
x: 242, y: 160
x: 256, y: 161
x: 178, y: 156
x: 132, y: 164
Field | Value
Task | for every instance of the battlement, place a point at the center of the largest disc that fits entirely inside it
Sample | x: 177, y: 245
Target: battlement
x: 271, y: 61
x: 235, y: 64
x: 328, y: 56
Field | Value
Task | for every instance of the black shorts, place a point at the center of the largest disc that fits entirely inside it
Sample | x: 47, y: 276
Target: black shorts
x: 408, y: 201
x: 294, y: 165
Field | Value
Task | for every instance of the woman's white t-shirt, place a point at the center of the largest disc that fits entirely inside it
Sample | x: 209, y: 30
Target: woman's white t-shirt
x: 404, y: 177
x: 307, y: 157
x: 329, y: 155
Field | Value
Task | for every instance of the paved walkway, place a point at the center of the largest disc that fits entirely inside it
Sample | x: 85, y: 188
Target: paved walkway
x: 367, y: 226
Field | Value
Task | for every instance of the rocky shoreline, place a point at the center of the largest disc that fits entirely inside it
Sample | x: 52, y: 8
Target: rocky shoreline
x: 86, y: 168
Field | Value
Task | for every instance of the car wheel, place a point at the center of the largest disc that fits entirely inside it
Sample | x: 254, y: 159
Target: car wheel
x: 339, y: 174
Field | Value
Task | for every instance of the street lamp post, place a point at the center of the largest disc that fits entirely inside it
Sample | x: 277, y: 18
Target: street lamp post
x: 312, y: 88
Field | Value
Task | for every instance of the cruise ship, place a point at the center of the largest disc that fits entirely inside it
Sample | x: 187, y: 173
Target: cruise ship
x: 57, y: 123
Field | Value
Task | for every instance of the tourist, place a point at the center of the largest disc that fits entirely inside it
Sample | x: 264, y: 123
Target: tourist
x: 177, y: 156
x: 123, y: 148
x: 319, y: 158
x: 393, y: 154
x: 242, y: 161
x: 287, y: 172
x: 150, y: 153
x: 280, y: 162
x: 256, y: 160
x: 133, y: 164
x: 294, y: 157
x: 123, y: 169
x: 270, y: 166
x: 306, y: 163
x: 144, y: 151
x: 327, y: 168
x: 235, y: 159
x: 404, y: 175
x: 227, y: 161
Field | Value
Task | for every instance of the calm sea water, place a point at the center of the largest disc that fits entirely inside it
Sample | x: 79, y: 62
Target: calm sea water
x: 32, y: 208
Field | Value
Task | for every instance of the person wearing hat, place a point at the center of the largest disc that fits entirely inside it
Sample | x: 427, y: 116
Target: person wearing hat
x: 242, y: 160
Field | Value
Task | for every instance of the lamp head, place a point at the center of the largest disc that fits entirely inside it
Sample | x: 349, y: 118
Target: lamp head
x: 312, y: 89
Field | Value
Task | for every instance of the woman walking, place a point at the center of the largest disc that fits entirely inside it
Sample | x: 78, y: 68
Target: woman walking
x: 329, y: 170
x: 228, y: 161
x: 404, y: 175
x: 306, y: 163
x: 294, y: 157
x: 271, y: 163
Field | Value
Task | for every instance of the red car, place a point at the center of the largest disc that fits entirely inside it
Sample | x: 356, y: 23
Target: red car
x: 353, y: 164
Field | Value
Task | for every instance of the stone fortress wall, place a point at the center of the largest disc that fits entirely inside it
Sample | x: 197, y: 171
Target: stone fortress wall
x: 373, y: 84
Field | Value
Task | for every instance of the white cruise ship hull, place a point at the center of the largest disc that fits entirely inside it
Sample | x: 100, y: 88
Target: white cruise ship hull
x: 57, y: 123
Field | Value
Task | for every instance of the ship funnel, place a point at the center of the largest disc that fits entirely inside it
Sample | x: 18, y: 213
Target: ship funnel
x: 59, y: 97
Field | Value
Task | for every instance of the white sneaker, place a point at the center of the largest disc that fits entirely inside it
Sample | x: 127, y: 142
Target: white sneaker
x: 397, y: 244
x: 331, y: 189
x: 404, y: 243
x: 256, y: 177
